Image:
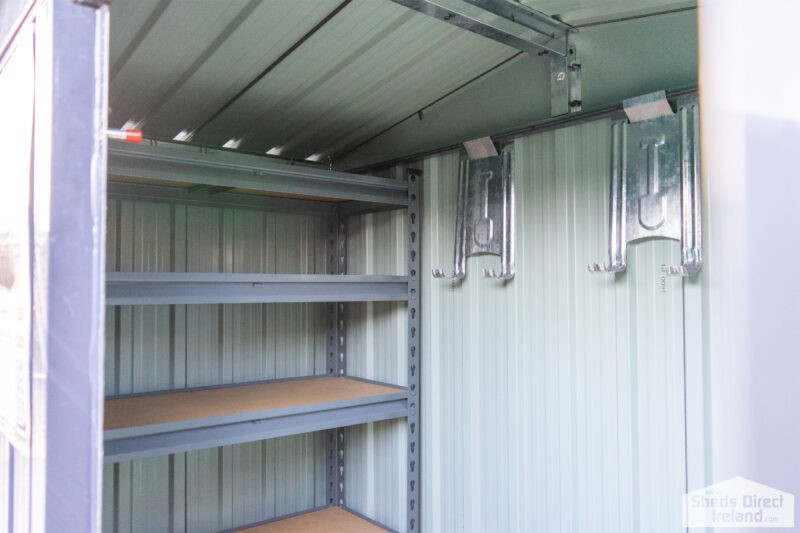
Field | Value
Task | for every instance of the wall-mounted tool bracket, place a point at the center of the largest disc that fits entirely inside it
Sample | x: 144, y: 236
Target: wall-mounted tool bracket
x: 655, y: 181
x: 565, y: 83
x: 485, y: 214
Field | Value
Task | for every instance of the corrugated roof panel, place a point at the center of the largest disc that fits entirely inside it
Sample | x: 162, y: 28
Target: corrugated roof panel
x: 179, y: 35
x: 586, y: 11
x: 129, y: 21
x: 418, y: 75
x: 181, y: 64
x: 268, y: 31
x: 285, y: 92
x: 370, y: 66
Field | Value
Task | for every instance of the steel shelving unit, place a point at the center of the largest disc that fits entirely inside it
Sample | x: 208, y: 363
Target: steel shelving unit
x: 166, y: 422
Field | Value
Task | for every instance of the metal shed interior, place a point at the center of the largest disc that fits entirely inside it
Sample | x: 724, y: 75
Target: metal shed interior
x: 556, y: 402
x: 364, y: 81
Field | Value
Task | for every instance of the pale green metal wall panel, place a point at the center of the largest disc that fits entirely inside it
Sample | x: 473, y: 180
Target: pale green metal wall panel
x: 555, y: 402
x: 375, y: 471
x: 375, y: 454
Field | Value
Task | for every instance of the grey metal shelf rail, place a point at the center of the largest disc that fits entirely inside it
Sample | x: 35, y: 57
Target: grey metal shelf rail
x: 184, y: 164
x: 143, y: 288
x: 152, y: 424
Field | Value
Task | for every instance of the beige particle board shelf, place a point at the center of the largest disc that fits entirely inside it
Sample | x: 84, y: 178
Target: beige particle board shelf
x: 160, y: 423
x: 330, y: 520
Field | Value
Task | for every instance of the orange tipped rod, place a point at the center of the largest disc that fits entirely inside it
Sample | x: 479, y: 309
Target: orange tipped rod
x: 131, y: 136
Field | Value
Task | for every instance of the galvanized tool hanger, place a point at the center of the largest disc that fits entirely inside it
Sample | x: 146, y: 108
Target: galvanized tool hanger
x: 655, y: 181
x: 485, y: 213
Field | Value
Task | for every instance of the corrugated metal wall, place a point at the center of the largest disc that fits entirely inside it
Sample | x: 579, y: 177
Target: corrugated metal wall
x: 375, y: 454
x: 161, y: 347
x: 555, y: 402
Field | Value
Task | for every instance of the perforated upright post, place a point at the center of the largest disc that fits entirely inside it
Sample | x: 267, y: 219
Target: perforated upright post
x: 414, y: 359
x: 336, y: 363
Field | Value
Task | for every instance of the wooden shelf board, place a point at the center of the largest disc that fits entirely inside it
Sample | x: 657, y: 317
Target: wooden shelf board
x: 188, y: 405
x: 330, y: 520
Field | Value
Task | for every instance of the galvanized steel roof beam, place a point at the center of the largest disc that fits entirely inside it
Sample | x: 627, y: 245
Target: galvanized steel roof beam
x: 491, y: 19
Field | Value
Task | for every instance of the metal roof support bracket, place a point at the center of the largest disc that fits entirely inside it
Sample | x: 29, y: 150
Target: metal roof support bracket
x: 655, y: 182
x: 565, y: 83
x: 485, y: 214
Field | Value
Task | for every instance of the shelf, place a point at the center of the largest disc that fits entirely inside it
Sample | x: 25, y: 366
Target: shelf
x: 168, y: 162
x: 150, y: 424
x: 185, y: 195
x: 329, y: 520
x: 139, y: 288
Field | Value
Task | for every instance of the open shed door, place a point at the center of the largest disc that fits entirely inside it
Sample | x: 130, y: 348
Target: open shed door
x: 52, y: 144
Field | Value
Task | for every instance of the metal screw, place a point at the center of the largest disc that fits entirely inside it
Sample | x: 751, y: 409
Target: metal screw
x: 561, y: 76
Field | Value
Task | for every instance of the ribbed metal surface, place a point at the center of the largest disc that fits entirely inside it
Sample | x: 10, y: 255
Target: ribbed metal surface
x: 157, y: 347
x: 587, y: 11
x: 163, y: 347
x: 554, y: 403
x: 215, y: 489
x: 176, y: 64
x: 375, y: 454
x: 173, y: 64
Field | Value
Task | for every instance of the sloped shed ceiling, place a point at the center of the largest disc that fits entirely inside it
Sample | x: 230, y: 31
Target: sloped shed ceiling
x: 336, y: 78
x: 177, y: 64
x: 619, y: 60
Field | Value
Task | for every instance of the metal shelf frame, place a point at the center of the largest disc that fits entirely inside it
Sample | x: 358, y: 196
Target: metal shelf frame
x: 228, y: 178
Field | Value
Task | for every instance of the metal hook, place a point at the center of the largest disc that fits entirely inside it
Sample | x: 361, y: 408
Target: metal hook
x: 655, y: 183
x: 485, y: 215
